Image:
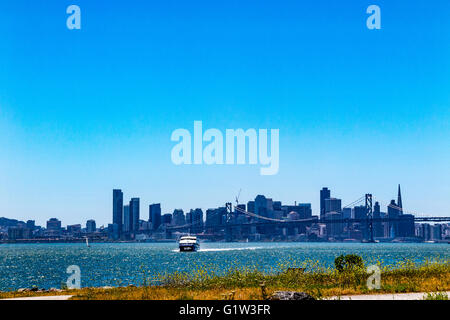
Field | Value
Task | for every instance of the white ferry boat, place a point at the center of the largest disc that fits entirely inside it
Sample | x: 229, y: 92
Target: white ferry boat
x: 188, y: 243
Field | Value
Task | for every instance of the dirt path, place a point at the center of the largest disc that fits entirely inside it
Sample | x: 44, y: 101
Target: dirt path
x: 390, y: 296
x: 42, y: 298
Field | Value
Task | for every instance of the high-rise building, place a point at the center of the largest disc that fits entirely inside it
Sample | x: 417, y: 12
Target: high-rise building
x: 251, y: 206
x: 215, y: 219
x: 399, y: 198
x: 436, y: 232
x: 74, y: 229
x: 332, y: 205
x: 178, y: 218
x: 378, y: 231
x: 325, y: 193
x: 167, y: 218
x: 197, y: 220
x: 126, y: 218
x: 134, y: 214
x: 154, y: 214
x: 90, y: 226
x: 406, y: 226
x: 54, y: 225
x: 31, y: 224
x: 359, y: 212
x: 346, y: 213
x: 118, y: 209
x: 334, y: 229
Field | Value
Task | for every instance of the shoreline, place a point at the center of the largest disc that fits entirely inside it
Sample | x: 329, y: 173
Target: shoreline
x: 256, y: 285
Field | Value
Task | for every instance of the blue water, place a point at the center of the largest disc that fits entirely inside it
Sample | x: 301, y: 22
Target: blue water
x: 105, y: 264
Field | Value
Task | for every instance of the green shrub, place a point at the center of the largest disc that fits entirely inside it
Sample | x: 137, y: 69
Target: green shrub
x: 348, y: 262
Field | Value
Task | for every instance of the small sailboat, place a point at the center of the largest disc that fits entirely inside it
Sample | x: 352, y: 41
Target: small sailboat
x: 87, y: 242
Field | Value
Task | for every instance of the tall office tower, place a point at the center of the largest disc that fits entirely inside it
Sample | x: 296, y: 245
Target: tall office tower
x: 134, y: 214
x: 334, y: 229
x: 90, y: 226
x: 197, y: 220
x: 54, y: 225
x: 215, y: 219
x: 277, y: 205
x: 436, y: 232
x: 324, y: 194
x: 31, y: 224
x: 167, y: 218
x: 251, y: 206
x: 359, y: 212
x: 333, y: 205
x: 377, y: 225
x: 118, y: 208
x: 305, y: 210
x: 346, y: 213
x: 261, y: 205
x: 406, y: 226
x: 126, y: 218
x: 178, y: 218
x: 399, y: 199
x: 154, y: 214
x: 393, y: 213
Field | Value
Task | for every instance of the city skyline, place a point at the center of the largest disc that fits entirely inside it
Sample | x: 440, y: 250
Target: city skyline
x: 263, y: 218
x: 120, y: 206
x: 85, y: 111
x: 125, y: 204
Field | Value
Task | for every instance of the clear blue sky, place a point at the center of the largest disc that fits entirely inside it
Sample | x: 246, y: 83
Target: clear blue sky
x: 86, y: 111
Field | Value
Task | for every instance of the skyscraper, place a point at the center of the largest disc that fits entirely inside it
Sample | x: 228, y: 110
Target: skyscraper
x: 126, y: 218
x: 332, y: 205
x: 134, y: 214
x: 90, y: 226
x: 178, y: 218
x: 399, y: 198
x: 324, y: 194
x: 117, y: 209
x: 154, y: 215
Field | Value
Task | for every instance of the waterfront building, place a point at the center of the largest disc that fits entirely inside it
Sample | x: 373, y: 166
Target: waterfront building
x: 113, y: 231
x: 332, y: 205
x: 215, y: 219
x: 325, y: 193
x: 31, y: 224
x: 118, y: 209
x: 54, y: 226
x: 155, y: 215
x: 126, y: 219
x: 91, y: 226
x: 333, y: 229
x: 251, y: 206
x: 406, y: 226
x: 178, y: 218
x: 74, y: 230
x: 15, y: 233
x: 195, y: 219
x: 346, y: 213
x: 436, y: 232
x: 378, y: 231
x: 134, y: 214
x: 167, y: 218
x: 399, y: 198
x: 393, y: 213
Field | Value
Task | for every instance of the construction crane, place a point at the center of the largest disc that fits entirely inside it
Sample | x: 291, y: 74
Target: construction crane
x: 237, y: 198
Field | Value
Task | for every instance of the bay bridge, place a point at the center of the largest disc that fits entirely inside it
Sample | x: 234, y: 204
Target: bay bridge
x: 229, y: 222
